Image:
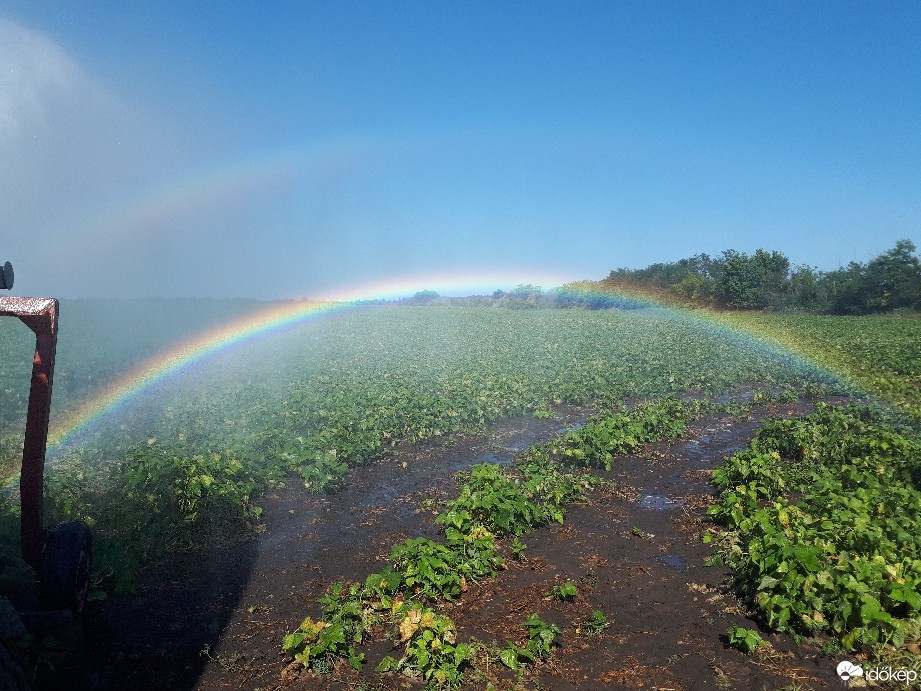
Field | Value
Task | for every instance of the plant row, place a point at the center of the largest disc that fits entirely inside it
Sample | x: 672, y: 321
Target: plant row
x: 422, y: 573
x: 823, y: 526
x: 492, y: 504
x: 604, y: 438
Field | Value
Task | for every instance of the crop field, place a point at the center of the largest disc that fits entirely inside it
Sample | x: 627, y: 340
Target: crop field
x: 880, y: 353
x: 423, y: 371
x: 469, y: 496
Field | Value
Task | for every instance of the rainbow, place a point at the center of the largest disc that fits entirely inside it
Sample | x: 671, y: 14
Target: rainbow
x: 280, y: 316
x: 273, y: 319
x: 148, y: 212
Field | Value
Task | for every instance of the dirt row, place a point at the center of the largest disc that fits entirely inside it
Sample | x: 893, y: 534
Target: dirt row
x: 215, y: 619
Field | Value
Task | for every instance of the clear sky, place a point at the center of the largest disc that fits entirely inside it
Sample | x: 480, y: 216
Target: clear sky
x: 275, y: 149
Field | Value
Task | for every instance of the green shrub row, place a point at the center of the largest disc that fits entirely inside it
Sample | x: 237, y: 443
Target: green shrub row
x: 823, y: 518
x: 604, y: 438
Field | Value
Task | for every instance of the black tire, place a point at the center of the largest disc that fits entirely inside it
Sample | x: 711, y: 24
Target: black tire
x: 67, y: 561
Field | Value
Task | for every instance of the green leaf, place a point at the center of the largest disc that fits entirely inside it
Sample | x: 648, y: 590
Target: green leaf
x: 388, y: 664
x: 509, y: 657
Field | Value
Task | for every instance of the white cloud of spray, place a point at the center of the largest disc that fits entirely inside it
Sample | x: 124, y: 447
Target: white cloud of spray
x: 36, y: 79
x: 101, y: 198
x: 69, y: 145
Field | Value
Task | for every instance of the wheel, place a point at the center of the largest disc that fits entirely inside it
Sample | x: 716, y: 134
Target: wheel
x: 67, y: 559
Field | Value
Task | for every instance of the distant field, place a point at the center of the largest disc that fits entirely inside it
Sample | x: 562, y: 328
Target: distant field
x: 360, y: 380
x: 356, y: 380
x: 881, y: 353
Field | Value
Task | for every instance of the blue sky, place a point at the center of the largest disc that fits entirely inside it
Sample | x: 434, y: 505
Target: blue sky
x: 294, y: 149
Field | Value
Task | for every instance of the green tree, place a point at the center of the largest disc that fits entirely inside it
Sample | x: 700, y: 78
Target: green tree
x: 526, y: 295
x: 752, y: 282
x: 890, y: 281
x: 424, y: 296
x: 894, y: 279
x: 772, y: 271
x: 804, y: 290
x: 737, y: 284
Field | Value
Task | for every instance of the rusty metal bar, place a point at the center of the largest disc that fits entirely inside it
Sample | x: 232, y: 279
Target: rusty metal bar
x: 41, y: 316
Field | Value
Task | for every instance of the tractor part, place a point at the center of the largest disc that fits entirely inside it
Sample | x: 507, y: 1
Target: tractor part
x: 40, y: 315
x: 6, y: 276
x: 64, y: 564
x: 67, y: 559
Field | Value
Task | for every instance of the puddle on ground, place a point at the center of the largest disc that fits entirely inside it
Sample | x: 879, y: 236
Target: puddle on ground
x: 732, y: 397
x: 674, y: 561
x: 490, y: 457
x: 658, y: 502
x: 710, y: 448
x: 522, y: 444
x: 462, y: 463
x: 528, y: 438
x: 574, y: 428
x: 370, y: 491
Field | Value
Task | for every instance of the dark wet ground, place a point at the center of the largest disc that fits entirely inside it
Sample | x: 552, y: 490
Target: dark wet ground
x: 215, y: 620
x: 240, y: 600
x: 636, y: 554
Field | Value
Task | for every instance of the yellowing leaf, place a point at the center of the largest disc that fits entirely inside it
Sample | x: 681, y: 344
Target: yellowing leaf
x: 410, y: 624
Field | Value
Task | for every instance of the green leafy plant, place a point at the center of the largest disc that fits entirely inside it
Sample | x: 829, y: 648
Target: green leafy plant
x: 428, y: 569
x: 432, y: 651
x: 491, y: 499
x: 316, y: 642
x: 345, y: 622
x: 323, y: 473
x: 541, y: 638
x: 827, y: 509
x: 594, y: 625
x: 541, y: 635
x: 512, y: 655
x: 476, y: 555
x: 518, y: 548
x: 181, y: 493
x: 382, y: 590
x: 567, y: 592
x: 746, y: 640
x: 602, y: 439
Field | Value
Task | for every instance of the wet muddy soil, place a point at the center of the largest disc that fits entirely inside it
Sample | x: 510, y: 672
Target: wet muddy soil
x: 215, y: 619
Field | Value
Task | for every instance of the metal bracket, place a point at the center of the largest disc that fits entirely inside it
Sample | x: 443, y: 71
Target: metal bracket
x: 41, y: 316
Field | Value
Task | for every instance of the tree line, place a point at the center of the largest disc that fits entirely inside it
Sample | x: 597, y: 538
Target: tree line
x: 733, y: 280
x: 767, y: 280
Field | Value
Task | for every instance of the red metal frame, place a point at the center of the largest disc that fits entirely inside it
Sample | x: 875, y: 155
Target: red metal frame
x: 40, y: 315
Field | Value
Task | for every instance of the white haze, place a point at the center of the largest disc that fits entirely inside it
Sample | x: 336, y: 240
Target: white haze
x: 72, y: 152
